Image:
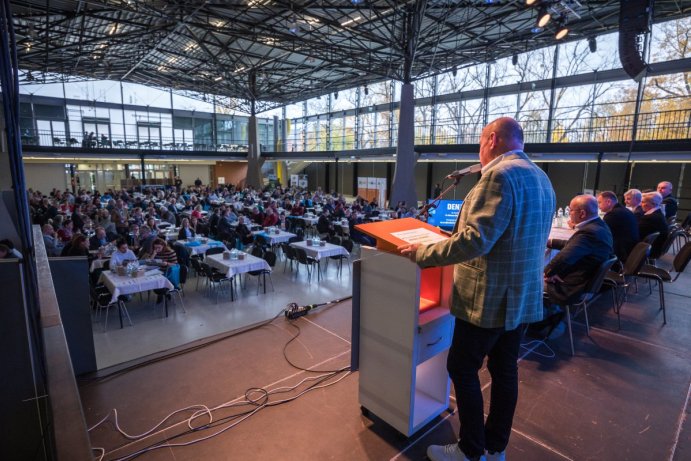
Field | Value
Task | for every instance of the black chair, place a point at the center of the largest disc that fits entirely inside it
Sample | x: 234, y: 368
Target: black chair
x: 270, y: 258
x: 626, y: 276
x: 101, y: 299
x: 588, y: 293
x: 661, y: 276
x: 289, y: 253
x: 197, y: 266
x: 671, y: 238
x: 257, y: 251
x: 216, y: 280
x: 261, y: 242
x: 302, y: 258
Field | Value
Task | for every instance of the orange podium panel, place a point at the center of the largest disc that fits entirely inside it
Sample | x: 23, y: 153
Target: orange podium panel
x: 382, y: 230
x: 430, y: 278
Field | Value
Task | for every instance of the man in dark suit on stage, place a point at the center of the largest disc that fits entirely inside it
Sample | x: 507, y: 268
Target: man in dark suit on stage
x: 653, y: 221
x: 621, y: 222
x: 632, y: 199
x: 497, y: 250
x: 572, y: 268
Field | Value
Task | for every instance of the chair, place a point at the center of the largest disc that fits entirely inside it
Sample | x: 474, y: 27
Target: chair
x: 216, y: 280
x: 650, y: 272
x: 671, y: 237
x: 174, y: 275
x: 101, y: 299
x: 302, y: 258
x: 261, y: 242
x: 588, y: 293
x: 197, y: 266
x: 348, y: 246
x: 626, y: 275
x: 270, y: 258
x: 257, y: 251
x: 289, y: 253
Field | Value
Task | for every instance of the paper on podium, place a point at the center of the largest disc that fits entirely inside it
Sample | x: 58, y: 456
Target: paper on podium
x: 420, y: 235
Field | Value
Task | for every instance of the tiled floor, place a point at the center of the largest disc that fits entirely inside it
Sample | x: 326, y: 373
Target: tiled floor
x: 623, y: 396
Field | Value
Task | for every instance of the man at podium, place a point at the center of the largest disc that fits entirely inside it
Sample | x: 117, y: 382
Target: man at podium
x: 497, y: 248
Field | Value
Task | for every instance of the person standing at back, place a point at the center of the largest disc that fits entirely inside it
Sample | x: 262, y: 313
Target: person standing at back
x: 669, y: 203
x: 497, y: 249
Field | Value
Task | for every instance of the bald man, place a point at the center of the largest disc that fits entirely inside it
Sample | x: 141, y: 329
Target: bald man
x: 572, y: 268
x: 669, y: 202
x: 497, y: 249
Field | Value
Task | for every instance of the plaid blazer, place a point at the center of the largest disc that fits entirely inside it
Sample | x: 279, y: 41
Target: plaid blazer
x: 498, y: 245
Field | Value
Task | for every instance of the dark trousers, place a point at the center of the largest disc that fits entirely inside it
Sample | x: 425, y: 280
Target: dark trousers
x: 470, y: 345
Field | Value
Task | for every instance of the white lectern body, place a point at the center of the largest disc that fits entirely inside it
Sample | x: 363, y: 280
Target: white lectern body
x: 405, y: 332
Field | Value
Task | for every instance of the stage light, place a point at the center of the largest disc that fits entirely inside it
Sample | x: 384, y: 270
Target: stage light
x: 531, y: 2
x: 366, y: 90
x: 454, y: 71
x: 562, y: 32
x: 543, y: 17
x: 514, y: 59
x: 336, y: 95
x: 592, y: 44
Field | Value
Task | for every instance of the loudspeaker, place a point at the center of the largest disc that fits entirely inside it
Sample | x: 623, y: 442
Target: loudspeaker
x: 634, y: 17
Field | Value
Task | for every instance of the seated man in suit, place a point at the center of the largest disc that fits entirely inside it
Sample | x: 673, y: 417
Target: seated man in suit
x: 621, y: 222
x: 632, y: 198
x: 670, y: 203
x: 653, y: 221
x: 580, y: 256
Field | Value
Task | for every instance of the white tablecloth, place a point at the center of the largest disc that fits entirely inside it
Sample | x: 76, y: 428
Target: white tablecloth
x: 273, y: 239
x: 319, y: 252
x: 122, y: 285
x: 231, y: 267
x: 202, y: 247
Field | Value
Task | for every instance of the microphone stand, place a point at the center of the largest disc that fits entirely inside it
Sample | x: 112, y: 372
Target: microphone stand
x: 424, y: 213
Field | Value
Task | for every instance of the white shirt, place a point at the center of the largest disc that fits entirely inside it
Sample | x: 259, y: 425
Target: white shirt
x: 118, y: 258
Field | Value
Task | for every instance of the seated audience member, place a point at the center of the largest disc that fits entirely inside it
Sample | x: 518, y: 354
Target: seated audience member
x: 632, y: 198
x: 167, y: 215
x: 572, y: 268
x: 153, y: 227
x: 186, y: 230
x: 122, y: 254
x: 53, y: 245
x: 161, y: 251
x: 653, y: 220
x: 133, y: 237
x: 669, y: 203
x: 65, y: 233
x: 621, y: 222
x: 324, y: 226
x: 99, y: 239
x: 197, y: 212
x: 5, y: 252
x: 79, y: 246
x: 13, y: 252
x: 271, y: 218
x: 146, y: 239
x: 165, y: 256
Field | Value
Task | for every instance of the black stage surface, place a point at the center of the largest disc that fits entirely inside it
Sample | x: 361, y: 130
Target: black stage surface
x: 624, y: 396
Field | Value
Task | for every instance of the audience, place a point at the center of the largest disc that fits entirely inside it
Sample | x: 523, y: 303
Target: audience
x: 572, y: 268
x: 632, y: 199
x: 653, y: 220
x: 669, y: 203
x: 122, y: 254
x: 621, y: 222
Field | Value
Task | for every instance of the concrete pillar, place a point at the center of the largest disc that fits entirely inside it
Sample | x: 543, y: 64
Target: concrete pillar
x: 403, y: 187
x: 254, y: 162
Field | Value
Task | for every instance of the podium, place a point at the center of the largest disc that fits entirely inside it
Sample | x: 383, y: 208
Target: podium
x: 405, y: 331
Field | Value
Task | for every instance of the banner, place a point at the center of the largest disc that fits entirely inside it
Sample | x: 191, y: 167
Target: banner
x: 445, y: 214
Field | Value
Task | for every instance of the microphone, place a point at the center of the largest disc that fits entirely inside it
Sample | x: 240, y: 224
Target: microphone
x: 465, y: 171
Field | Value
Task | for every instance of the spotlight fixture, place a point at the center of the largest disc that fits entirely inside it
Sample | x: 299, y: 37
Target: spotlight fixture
x: 531, y: 2
x: 514, y: 59
x: 336, y: 95
x: 592, y: 44
x: 293, y: 27
x: 357, y: 2
x: 562, y: 31
x: 366, y: 90
x: 543, y: 17
x: 536, y: 30
x: 454, y: 71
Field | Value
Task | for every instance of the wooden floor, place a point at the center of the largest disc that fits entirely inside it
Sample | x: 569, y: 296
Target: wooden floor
x: 624, y: 396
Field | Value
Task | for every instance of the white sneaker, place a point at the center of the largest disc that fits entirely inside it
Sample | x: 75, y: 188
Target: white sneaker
x: 449, y: 452
x: 500, y: 456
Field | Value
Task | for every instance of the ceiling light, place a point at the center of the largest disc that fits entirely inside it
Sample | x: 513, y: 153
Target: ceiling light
x: 218, y: 79
x: 543, y: 17
x: 531, y: 2
x: 514, y: 59
x: 562, y: 32
x: 336, y: 95
x: 454, y: 71
x: 293, y: 27
x: 366, y: 90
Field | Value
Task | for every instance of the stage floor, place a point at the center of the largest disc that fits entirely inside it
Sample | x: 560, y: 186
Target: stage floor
x: 624, y: 396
